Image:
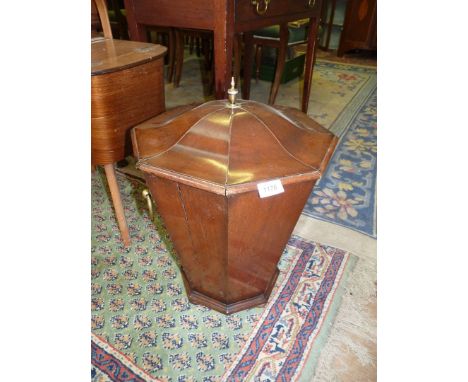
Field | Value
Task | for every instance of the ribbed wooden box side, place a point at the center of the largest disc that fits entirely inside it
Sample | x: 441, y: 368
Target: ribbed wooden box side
x: 120, y: 100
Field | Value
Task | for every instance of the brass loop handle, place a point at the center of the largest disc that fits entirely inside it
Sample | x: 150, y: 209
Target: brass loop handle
x: 311, y: 3
x: 265, y: 6
x: 147, y: 196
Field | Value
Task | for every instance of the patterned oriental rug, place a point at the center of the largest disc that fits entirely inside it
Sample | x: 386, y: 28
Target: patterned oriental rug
x: 345, y: 194
x: 145, y: 329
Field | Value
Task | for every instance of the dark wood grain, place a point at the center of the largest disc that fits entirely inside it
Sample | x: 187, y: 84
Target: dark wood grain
x: 278, y: 12
x: 258, y: 231
x: 360, y: 26
x: 203, y: 164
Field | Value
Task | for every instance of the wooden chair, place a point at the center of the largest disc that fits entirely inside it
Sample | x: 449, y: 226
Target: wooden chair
x: 280, y: 37
x: 127, y: 88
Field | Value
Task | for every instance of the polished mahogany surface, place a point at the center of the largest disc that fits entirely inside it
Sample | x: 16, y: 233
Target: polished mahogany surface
x: 203, y: 164
x: 109, y: 55
x: 226, y: 147
x: 204, y: 14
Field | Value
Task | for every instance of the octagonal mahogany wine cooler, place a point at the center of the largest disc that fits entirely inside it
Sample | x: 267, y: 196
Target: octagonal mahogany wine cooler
x: 230, y: 179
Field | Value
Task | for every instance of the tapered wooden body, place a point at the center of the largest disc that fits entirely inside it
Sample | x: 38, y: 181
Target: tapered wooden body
x: 203, y: 164
x: 127, y: 87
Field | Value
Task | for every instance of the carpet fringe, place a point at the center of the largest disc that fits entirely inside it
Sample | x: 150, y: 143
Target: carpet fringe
x: 354, y: 329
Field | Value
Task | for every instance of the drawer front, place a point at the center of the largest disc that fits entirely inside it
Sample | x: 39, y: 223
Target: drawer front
x: 276, y: 11
x: 196, y: 14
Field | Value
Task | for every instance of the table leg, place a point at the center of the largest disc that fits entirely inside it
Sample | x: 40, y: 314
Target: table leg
x: 223, y: 36
x: 309, y: 64
x: 258, y: 61
x: 171, y: 61
x: 237, y: 59
x: 179, y: 56
x: 248, y: 63
x: 117, y: 201
x: 223, y: 65
x: 136, y: 32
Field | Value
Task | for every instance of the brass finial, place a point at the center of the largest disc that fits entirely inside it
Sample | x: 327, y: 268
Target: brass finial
x: 232, y: 92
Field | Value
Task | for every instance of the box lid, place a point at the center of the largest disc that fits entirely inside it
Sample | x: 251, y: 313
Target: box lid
x: 229, y: 148
x: 109, y: 55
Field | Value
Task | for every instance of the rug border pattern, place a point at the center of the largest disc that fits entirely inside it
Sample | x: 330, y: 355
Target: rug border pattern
x: 248, y: 354
x: 370, y: 201
x: 330, y: 284
x: 114, y: 357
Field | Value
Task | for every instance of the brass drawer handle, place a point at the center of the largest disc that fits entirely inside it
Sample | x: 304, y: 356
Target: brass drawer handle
x: 261, y: 11
x: 147, y: 196
x: 311, y: 3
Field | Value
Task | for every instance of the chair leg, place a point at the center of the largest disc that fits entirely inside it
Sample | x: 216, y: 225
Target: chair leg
x: 309, y: 63
x: 212, y: 63
x: 258, y: 61
x: 179, y: 36
x: 206, y: 52
x: 191, y: 44
x: 248, y: 63
x: 172, y: 53
x: 281, y: 59
x: 197, y: 46
x: 117, y: 201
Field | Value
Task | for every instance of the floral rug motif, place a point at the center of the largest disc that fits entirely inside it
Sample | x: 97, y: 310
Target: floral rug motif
x: 345, y: 194
x: 144, y: 328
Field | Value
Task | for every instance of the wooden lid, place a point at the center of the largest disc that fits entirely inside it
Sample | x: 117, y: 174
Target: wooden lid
x: 230, y: 148
x: 108, y: 55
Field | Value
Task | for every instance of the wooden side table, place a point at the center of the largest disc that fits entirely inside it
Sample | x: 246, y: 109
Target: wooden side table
x: 227, y: 18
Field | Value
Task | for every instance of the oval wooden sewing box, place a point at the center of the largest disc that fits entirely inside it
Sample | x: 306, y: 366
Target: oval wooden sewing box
x: 127, y: 87
x: 206, y: 167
